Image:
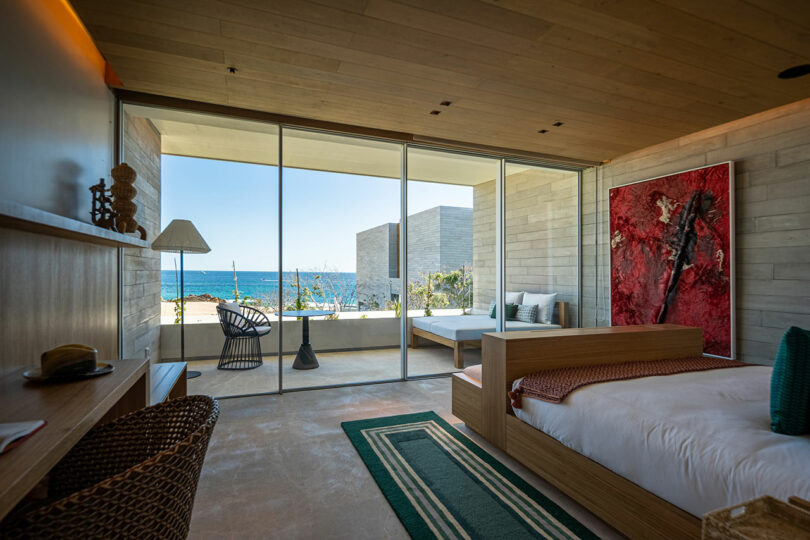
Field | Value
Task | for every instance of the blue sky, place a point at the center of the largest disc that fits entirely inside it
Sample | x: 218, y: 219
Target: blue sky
x: 235, y: 208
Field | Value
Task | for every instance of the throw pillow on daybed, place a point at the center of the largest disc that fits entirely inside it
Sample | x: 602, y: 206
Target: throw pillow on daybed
x: 526, y: 313
x: 544, y: 303
x: 511, y: 311
x: 790, y: 384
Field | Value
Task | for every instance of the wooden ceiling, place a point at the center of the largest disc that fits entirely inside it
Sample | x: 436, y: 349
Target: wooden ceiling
x: 619, y: 74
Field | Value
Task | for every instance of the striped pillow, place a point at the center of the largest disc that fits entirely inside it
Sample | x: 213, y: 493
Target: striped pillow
x: 526, y: 313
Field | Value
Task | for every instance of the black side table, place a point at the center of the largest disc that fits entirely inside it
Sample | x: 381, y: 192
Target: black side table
x: 305, y: 359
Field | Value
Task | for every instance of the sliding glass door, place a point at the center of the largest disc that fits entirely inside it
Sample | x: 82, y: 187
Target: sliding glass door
x: 451, y: 258
x: 541, y: 242
x: 340, y: 259
x: 306, y: 227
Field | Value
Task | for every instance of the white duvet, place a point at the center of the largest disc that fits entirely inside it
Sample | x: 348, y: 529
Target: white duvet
x: 699, y: 440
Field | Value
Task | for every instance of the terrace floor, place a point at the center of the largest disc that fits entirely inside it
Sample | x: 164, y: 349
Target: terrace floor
x: 344, y: 367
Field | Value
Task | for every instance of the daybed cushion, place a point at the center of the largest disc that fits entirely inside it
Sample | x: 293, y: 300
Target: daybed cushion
x: 470, y: 327
x: 700, y: 440
x: 526, y: 313
x: 511, y: 310
x: 474, y: 372
x: 234, y: 307
x: 514, y: 297
x: 544, y: 303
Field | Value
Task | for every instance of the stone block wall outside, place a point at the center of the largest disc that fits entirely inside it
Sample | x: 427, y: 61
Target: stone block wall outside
x: 439, y: 239
x: 540, y: 234
x: 376, y: 263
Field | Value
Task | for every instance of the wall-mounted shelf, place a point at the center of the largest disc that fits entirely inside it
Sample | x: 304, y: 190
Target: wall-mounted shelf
x: 25, y: 218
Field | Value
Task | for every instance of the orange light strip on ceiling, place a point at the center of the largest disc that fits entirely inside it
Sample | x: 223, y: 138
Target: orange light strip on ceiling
x: 61, y: 21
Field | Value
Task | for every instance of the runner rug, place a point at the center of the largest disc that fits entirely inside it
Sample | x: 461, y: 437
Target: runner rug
x: 443, y: 485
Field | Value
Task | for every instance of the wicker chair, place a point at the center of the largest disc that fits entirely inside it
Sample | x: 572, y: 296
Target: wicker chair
x: 242, y: 349
x: 134, y: 477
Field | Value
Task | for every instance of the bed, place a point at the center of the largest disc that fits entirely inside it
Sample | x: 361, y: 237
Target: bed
x: 464, y: 331
x: 649, y: 456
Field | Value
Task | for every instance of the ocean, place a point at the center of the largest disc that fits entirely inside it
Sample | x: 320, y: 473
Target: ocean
x: 254, y: 284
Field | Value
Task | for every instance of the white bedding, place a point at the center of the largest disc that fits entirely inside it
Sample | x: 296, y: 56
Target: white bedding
x: 700, y: 440
x: 470, y: 327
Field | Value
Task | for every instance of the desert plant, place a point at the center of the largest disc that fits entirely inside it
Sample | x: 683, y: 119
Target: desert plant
x: 457, y: 286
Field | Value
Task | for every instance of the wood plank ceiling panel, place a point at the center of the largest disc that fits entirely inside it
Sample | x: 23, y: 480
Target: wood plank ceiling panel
x: 619, y: 74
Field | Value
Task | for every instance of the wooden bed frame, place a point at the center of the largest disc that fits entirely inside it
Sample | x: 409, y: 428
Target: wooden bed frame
x: 484, y: 407
x: 561, y: 308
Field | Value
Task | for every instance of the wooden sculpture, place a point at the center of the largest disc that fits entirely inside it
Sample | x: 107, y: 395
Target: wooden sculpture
x: 100, y: 212
x: 123, y: 192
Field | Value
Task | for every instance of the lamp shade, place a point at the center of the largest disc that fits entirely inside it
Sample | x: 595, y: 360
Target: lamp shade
x: 180, y: 235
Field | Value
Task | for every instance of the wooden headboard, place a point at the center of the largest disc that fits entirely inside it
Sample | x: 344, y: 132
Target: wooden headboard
x: 507, y: 356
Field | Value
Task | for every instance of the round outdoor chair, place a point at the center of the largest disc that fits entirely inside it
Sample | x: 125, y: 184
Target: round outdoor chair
x: 134, y: 477
x: 242, y: 349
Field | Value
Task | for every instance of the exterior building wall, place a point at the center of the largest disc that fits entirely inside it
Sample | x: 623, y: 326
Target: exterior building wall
x: 455, y: 237
x: 771, y: 155
x: 141, y: 279
x: 377, y: 264
x: 483, y: 245
x: 424, y: 242
x: 540, y: 234
x: 439, y: 239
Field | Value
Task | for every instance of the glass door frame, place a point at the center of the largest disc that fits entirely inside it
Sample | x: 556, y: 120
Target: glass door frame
x: 500, y: 178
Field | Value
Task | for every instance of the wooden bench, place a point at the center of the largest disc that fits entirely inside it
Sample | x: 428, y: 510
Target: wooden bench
x: 166, y: 381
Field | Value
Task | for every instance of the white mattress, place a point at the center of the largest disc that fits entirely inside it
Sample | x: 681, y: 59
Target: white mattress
x: 469, y: 327
x: 700, y: 440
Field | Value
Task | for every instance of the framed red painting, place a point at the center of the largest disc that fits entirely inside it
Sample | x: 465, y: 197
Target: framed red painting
x: 672, y: 253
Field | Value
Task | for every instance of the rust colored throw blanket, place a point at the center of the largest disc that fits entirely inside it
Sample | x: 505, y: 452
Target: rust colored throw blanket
x: 553, y: 385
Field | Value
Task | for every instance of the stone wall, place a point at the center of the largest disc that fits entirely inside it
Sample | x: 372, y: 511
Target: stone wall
x: 377, y: 264
x: 439, y: 239
x: 423, y: 242
x: 771, y: 155
x: 141, y: 281
x: 540, y: 234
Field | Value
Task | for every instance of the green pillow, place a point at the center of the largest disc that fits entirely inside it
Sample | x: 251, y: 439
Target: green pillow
x: 790, y: 384
x: 511, y: 311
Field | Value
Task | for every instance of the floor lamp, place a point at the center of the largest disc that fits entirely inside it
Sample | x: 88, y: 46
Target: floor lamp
x: 181, y: 236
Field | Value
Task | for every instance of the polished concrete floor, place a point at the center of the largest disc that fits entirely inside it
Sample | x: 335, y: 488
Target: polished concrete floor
x: 346, y: 367
x: 281, y: 466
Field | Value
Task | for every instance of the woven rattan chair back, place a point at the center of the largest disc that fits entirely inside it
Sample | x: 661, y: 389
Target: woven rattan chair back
x: 135, y: 477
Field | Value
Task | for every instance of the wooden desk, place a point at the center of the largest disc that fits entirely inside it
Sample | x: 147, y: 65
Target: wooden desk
x: 70, y: 409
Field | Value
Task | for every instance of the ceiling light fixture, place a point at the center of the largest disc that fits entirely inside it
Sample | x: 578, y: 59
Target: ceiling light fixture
x: 795, y: 71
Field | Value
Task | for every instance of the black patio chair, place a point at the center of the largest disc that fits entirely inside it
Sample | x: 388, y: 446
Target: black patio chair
x: 242, y: 349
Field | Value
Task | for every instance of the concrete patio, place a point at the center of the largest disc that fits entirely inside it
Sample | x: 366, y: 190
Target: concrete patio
x: 335, y: 368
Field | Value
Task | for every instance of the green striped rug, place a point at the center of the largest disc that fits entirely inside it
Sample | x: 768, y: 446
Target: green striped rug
x: 443, y: 485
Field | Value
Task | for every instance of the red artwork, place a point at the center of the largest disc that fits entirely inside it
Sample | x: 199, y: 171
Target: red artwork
x: 671, y: 253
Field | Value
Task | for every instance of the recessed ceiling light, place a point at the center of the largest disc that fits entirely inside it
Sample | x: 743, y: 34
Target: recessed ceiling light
x: 445, y: 103
x: 435, y: 112
x: 231, y: 70
x: 542, y: 131
x: 795, y: 71
x: 557, y: 124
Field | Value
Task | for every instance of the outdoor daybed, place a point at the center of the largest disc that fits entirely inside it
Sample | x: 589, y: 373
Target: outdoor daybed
x: 649, y: 455
x: 460, y: 331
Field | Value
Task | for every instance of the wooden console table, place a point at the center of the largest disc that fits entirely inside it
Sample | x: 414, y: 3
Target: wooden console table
x: 70, y: 409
